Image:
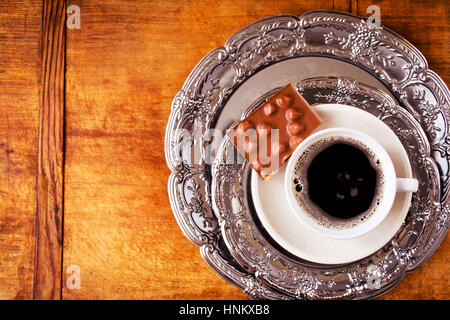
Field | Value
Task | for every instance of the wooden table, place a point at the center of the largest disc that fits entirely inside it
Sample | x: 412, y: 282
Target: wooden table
x: 83, y: 178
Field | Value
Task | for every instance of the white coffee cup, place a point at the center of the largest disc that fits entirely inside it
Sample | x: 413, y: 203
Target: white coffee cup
x: 391, y: 184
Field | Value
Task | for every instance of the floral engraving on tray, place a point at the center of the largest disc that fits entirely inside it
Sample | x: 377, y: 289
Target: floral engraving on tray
x: 364, y: 43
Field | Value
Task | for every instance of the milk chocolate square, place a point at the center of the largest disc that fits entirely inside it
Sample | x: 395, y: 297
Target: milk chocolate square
x: 269, y: 135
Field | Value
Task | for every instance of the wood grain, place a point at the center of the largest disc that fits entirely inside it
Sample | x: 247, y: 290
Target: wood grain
x: 20, y: 31
x: 47, y: 282
x: 124, y: 67
x: 349, y: 6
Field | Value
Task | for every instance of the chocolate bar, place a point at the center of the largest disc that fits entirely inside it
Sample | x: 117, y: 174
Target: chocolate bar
x: 269, y: 135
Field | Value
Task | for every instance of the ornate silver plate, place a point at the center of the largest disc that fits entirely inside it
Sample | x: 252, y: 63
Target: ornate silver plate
x: 297, y: 278
x: 319, y: 43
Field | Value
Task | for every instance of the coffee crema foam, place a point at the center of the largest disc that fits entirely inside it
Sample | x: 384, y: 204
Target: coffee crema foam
x: 310, y: 208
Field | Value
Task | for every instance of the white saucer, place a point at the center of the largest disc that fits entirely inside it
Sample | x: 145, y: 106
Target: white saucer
x: 288, y: 230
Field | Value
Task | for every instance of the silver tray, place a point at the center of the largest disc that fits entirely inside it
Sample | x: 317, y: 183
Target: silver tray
x: 318, y: 43
x: 276, y: 268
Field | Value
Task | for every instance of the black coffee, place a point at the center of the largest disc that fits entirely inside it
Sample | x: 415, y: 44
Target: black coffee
x: 338, y: 181
x: 341, y: 181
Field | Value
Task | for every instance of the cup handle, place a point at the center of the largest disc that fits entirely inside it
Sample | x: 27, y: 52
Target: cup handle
x: 407, y: 185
